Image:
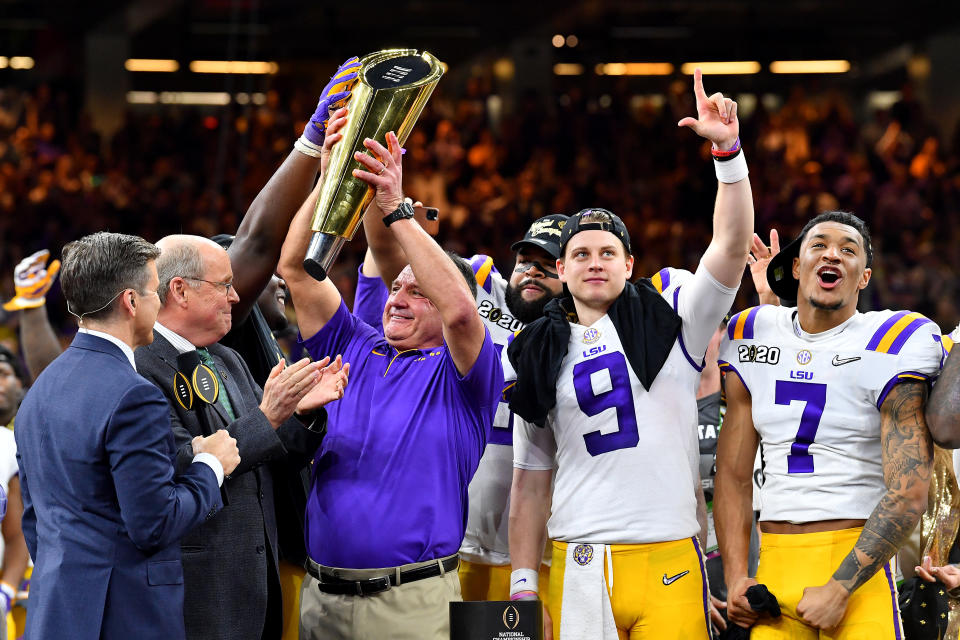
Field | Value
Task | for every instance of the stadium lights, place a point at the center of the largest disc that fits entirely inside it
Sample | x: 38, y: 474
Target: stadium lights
x: 634, y: 69
x: 721, y: 68
x: 810, y: 66
x: 215, y: 98
x: 151, y: 64
x: 16, y: 62
x: 568, y: 69
x: 233, y: 66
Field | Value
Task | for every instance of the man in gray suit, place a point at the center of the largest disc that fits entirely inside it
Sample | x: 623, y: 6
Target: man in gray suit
x: 230, y: 562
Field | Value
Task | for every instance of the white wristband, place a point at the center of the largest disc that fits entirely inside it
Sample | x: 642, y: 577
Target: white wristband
x: 733, y: 170
x: 524, y: 580
x: 307, y: 148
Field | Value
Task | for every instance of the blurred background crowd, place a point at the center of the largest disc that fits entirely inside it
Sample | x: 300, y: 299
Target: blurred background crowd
x: 490, y: 173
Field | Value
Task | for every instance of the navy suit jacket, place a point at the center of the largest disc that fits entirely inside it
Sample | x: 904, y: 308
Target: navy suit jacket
x: 103, y: 513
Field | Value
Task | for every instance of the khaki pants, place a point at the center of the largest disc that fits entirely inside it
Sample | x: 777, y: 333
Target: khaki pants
x: 414, y: 611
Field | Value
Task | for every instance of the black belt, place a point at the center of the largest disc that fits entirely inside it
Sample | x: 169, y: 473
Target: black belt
x: 338, y: 586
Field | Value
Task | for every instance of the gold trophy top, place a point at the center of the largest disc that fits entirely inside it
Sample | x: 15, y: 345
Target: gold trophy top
x: 392, y: 89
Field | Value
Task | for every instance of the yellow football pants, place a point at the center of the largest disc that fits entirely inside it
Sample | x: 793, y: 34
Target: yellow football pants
x: 790, y: 563
x: 659, y: 589
x: 291, y: 579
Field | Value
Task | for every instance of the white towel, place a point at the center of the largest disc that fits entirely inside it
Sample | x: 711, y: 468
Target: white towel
x: 586, y: 610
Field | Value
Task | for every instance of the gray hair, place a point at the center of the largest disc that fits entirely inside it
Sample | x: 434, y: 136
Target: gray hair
x: 181, y: 260
x: 98, y: 267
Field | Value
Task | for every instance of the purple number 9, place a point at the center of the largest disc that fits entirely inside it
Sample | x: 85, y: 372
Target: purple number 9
x: 619, y: 397
x: 799, y: 459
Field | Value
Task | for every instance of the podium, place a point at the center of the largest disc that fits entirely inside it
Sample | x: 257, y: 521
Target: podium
x: 496, y: 620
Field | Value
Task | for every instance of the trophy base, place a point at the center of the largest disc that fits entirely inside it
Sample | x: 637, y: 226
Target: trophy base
x: 323, y: 250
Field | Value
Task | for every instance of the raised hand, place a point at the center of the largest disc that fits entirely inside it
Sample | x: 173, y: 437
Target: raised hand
x: 716, y: 116
x: 385, y: 172
x: 32, y: 279
x: 760, y: 256
x: 333, y: 380
x: 338, y: 120
x: 333, y: 96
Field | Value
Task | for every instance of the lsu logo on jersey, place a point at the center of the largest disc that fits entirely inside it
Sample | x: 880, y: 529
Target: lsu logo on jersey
x: 498, y: 317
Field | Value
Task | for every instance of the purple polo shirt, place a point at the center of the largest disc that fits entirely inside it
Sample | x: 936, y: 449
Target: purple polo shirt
x: 390, y: 480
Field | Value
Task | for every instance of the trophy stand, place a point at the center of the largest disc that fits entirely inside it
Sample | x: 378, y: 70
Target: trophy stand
x: 497, y: 620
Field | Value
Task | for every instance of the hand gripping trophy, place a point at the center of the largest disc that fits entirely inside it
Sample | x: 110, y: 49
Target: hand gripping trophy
x: 391, y: 90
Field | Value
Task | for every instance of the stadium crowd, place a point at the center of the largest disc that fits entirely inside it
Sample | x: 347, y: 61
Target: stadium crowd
x: 491, y: 173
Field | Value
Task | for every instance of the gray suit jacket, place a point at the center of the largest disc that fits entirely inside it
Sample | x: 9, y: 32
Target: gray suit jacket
x: 225, y: 566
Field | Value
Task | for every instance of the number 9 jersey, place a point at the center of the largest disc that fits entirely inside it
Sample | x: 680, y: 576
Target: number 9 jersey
x: 816, y: 402
x: 627, y: 459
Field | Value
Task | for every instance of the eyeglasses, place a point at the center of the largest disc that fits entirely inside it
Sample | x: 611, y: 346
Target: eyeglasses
x: 227, y: 286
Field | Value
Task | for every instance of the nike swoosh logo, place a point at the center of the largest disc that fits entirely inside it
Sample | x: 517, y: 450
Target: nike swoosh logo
x: 520, y: 580
x: 838, y: 361
x: 668, y: 581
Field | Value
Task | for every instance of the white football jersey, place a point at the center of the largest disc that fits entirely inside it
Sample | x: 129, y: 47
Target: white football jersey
x: 626, y: 458
x: 485, y: 539
x: 816, y: 402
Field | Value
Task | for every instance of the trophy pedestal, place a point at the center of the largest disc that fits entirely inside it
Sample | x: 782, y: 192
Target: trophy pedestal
x: 321, y: 253
x: 503, y: 620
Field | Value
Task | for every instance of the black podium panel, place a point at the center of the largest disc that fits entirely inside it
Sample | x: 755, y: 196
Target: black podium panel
x: 520, y: 620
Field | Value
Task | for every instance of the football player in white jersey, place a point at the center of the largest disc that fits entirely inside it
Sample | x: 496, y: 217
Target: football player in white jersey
x: 505, y: 307
x: 608, y: 378
x: 835, y: 399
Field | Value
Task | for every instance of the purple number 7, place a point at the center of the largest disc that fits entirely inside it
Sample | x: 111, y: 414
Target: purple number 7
x: 799, y: 459
x: 619, y: 397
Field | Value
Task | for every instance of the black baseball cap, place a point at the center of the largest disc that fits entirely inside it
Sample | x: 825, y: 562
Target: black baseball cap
x: 595, y: 219
x: 780, y: 272
x: 544, y: 234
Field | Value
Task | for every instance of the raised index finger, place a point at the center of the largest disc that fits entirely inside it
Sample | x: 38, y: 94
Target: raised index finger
x: 698, y: 91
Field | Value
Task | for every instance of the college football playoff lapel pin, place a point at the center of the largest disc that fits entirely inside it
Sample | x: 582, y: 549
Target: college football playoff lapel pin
x: 205, y: 384
x: 182, y: 390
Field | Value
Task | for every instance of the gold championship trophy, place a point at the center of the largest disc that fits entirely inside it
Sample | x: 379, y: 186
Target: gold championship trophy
x: 392, y: 88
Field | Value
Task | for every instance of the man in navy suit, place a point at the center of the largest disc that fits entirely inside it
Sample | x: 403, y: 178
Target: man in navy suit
x: 103, y: 513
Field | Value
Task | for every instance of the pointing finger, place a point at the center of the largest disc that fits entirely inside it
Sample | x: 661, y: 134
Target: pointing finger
x: 698, y: 91
x: 774, y: 241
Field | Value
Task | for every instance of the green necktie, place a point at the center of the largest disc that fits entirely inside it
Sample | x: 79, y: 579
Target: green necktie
x: 207, y: 359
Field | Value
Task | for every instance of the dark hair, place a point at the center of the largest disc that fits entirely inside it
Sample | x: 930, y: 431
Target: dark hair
x: 466, y: 271
x: 98, y: 267
x: 842, y: 217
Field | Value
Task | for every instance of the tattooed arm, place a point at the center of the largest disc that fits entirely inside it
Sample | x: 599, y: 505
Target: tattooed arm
x: 943, y: 410
x: 907, y: 458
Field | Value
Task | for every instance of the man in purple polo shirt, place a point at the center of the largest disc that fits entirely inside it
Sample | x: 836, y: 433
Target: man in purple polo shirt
x: 388, y: 503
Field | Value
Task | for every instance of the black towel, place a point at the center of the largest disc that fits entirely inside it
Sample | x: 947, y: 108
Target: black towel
x: 761, y: 601
x: 647, y: 326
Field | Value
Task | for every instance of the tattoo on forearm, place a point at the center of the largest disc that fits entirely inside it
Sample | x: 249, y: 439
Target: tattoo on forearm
x: 907, y: 458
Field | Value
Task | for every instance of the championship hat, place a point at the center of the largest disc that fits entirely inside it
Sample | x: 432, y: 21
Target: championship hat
x: 544, y: 234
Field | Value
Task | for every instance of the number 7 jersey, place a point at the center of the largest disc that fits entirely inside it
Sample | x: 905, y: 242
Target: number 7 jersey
x: 816, y: 402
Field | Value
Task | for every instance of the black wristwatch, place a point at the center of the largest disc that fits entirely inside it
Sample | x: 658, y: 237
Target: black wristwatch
x: 405, y: 210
